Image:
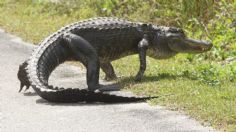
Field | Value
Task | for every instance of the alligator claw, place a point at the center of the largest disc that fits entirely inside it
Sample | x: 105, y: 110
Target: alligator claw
x: 27, y: 87
x: 21, y: 87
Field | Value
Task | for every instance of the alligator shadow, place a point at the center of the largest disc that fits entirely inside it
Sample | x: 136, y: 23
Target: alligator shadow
x: 84, y: 103
x: 30, y: 94
x: 130, y: 80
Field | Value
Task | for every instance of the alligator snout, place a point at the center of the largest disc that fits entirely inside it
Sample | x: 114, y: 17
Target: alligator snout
x: 206, y: 45
x: 199, y: 45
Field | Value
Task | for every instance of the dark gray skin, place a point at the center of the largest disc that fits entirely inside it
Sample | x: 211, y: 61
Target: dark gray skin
x: 95, y: 43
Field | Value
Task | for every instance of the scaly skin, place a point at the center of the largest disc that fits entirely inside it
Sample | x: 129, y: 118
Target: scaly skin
x: 95, y: 43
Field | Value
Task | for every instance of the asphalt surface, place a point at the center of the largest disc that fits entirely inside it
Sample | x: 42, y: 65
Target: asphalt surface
x: 27, y: 112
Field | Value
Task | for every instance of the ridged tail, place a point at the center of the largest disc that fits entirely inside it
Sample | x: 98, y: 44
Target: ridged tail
x: 36, y: 71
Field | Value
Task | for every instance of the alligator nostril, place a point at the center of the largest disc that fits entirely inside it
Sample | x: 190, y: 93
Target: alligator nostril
x: 208, y: 44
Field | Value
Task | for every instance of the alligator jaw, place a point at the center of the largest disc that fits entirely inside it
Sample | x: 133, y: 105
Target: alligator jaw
x: 186, y: 45
x: 198, y: 46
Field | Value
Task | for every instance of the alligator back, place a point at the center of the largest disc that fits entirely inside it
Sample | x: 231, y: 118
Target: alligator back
x: 112, y: 38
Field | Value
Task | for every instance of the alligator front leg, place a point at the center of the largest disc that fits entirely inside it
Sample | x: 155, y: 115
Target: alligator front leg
x: 142, y: 48
x: 108, y: 70
x: 83, y: 51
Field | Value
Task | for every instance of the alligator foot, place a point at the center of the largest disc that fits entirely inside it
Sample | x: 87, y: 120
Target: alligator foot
x: 110, y: 78
x: 138, y: 78
x: 108, y: 70
x: 22, y: 86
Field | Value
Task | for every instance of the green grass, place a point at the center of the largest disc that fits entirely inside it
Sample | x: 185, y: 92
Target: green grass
x: 33, y: 22
x: 201, y: 85
x: 179, y: 89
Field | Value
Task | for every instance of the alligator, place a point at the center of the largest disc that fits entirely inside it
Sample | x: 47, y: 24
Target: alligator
x: 95, y: 43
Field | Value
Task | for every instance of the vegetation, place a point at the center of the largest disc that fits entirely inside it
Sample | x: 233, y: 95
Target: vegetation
x: 203, y: 85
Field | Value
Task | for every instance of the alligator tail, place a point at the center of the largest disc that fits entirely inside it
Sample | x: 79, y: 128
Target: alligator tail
x: 36, y: 71
x: 22, y: 76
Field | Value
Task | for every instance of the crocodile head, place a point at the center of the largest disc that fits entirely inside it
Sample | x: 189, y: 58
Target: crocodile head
x: 178, y: 42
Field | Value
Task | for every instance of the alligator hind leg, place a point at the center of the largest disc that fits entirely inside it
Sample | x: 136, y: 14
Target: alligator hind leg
x: 109, y: 71
x: 81, y: 48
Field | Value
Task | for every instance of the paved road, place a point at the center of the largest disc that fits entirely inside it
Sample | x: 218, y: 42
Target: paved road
x: 28, y: 112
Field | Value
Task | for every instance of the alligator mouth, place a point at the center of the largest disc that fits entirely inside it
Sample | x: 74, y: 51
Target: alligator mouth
x: 199, y: 48
x: 198, y: 45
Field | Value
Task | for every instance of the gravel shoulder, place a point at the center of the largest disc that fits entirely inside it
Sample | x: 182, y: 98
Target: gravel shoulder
x: 27, y: 112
